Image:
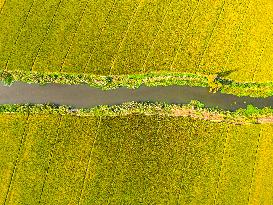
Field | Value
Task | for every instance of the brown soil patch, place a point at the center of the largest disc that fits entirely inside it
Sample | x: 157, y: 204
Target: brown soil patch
x: 268, y: 119
x: 205, y: 115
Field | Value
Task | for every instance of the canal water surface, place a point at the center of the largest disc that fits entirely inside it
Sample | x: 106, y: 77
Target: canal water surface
x: 84, y: 96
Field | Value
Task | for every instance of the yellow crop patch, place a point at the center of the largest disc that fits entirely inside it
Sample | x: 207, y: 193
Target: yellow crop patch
x: 64, y: 159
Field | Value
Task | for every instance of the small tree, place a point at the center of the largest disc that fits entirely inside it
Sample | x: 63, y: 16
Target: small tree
x: 214, y: 85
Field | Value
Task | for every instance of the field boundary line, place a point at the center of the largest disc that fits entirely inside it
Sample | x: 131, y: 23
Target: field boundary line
x: 74, y: 35
x: 121, y: 43
x: 50, y: 159
x: 221, y: 167
x: 155, y: 38
x: 191, y: 19
x: 2, y: 7
x: 100, y: 34
x: 45, y: 35
x: 19, y: 34
x: 208, y: 40
x: 114, y: 165
x: 21, y: 146
x: 89, y: 160
x: 254, y: 167
x: 240, y: 25
x: 262, y: 51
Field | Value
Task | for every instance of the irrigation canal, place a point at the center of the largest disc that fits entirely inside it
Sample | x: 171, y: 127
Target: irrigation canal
x: 83, y: 96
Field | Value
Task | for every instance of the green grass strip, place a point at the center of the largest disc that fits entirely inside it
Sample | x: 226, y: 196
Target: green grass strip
x: 195, y: 109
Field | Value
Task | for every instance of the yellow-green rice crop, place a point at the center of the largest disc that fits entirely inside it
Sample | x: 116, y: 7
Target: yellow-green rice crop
x: 65, y: 159
x: 232, y: 39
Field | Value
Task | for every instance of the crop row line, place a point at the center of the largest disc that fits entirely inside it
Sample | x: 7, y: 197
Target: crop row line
x: 254, y: 168
x: 113, y: 61
x: 208, y: 40
x: 2, y: 7
x: 262, y: 52
x: 100, y: 34
x: 155, y: 38
x: 19, y: 34
x: 74, y: 35
x: 83, y: 135
x: 44, y: 37
x: 237, y: 33
x: 22, y: 142
x: 89, y: 160
x: 50, y: 159
x: 221, y: 168
x: 185, y: 33
x: 114, y: 165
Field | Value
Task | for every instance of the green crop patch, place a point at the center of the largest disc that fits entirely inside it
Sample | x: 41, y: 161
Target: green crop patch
x: 226, y: 38
x: 132, y: 159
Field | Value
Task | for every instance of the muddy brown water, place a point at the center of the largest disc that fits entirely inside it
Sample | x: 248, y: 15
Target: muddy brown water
x: 84, y: 96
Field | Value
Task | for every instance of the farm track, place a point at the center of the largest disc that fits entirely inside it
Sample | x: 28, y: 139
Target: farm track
x: 84, y: 134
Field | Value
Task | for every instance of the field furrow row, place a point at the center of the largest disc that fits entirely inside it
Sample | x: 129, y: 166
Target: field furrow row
x: 12, y: 129
x: 51, y: 155
x: 121, y: 43
x: 2, y: 4
x: 75, y: 33
x: 209, y: 38
x: 184, y: 34
x: 45, y: 34
x: 23, y: 134
x: 261, y: 193
x: 90, y: 155
x: 151, y: 47
x: 19, y: 34
x: 11, y: 25
x: 101, y: 25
